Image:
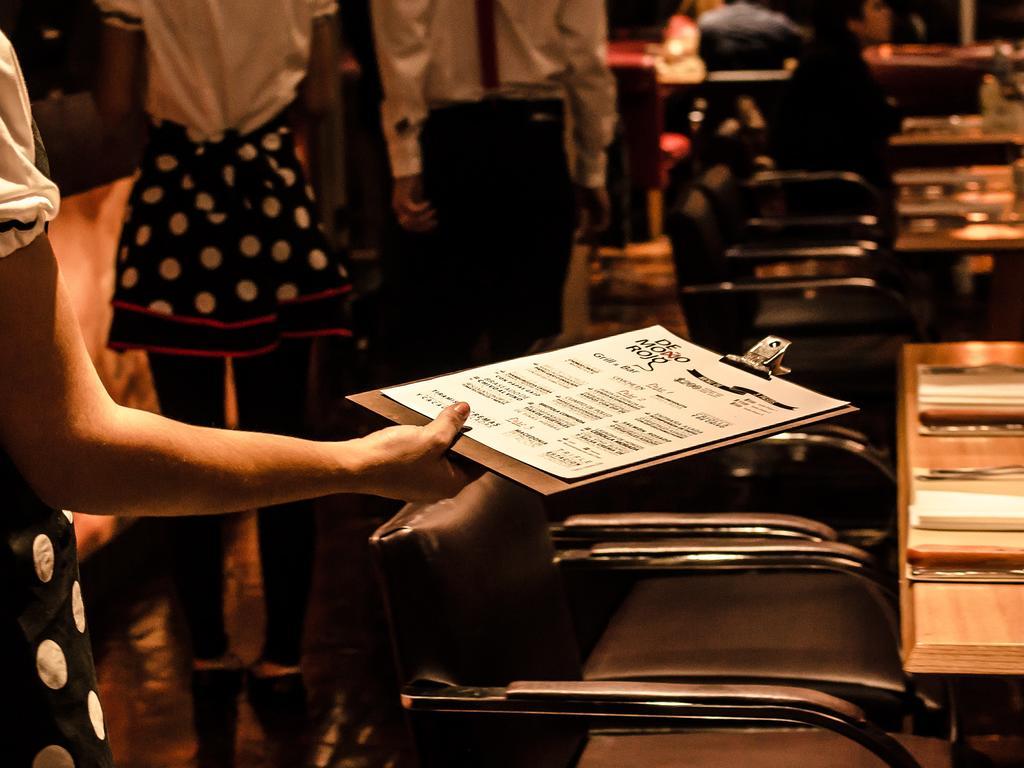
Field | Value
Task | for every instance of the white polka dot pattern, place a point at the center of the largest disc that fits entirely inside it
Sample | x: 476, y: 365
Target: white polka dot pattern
x: 69, y: 515
x: 189, y: 266
x: 166, y: 162
x: 246, y: 290
x: 317, y: 259
x: 210, y: 257
x: 78, y: 606
x: 170, y: 269
x: 249, y: 245
x: 205, y: 302
x: 53, y: 756
x: 287, y: 175
x: 42, y: 557
x: 271, y: 207
x: 178, y: 224
x: 271, y: 142
x: 51, y: 665
x: 281, y: 251
x: 130, y: 278
x: 96, y: 715
x: 142, y: 235
x: 123, y: 255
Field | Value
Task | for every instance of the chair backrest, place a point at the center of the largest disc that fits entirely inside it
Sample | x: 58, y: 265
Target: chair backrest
x: 698, y: 248
x: 698, y: 251
x: 474, y: 599
x: 473, y: 595
x: 726, y: 198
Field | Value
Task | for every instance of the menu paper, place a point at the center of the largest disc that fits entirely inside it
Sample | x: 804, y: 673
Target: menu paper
x: 607, y: 404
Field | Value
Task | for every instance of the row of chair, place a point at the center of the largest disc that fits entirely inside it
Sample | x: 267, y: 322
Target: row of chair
x: 736, y: 609
x: 650, y: 640
x: 824, y: 280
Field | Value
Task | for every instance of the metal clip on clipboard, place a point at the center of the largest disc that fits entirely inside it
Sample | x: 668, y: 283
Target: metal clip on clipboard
x: 764, y: 359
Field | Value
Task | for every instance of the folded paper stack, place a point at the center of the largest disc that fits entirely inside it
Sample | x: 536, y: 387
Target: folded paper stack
x: 973, y: 504
x: 973, y: 400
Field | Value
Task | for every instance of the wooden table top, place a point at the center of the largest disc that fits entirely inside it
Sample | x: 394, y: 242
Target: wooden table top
x: 956, y: 628
x: 951, y: 131
x: 992, y: 220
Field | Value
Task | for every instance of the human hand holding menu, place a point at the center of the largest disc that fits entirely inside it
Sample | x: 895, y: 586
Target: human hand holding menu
x: 636, y: 398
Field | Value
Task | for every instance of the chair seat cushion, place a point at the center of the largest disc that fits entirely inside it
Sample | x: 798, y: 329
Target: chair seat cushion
x: 827, y: 631
x: 749, y: 749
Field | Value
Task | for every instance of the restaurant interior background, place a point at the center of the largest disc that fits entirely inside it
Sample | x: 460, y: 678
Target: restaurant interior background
x: 679, y: 123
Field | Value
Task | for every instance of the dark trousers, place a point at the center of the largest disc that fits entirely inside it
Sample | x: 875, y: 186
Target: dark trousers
x: 490, y: 276
x: 271, y: 391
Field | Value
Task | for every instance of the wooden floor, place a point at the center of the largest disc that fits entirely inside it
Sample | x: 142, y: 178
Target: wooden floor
x: 355, y: 722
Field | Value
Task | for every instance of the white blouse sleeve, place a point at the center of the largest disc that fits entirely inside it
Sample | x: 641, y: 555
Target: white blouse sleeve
x: 126, y: 14
x: 27, y: 198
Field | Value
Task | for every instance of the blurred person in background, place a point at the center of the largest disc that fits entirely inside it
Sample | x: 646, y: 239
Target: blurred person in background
x: 747, y: 34
x: 833, y: 115
x: 222, y: 257
x: 476, y: 99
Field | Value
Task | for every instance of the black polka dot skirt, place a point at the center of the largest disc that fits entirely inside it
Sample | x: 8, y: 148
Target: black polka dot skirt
x: 221, y: 253
x: 53, y: 718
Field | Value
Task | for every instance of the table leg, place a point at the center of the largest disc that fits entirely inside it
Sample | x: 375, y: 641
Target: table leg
x: 1006, y: 300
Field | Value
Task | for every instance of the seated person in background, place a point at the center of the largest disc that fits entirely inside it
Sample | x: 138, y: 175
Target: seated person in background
x: 746, y: 34
x: 833, y: 115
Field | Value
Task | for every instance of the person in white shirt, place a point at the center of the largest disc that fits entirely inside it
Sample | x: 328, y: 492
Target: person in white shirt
x: 476, y: 100
x: 64, y: 444
x: 221, y: 256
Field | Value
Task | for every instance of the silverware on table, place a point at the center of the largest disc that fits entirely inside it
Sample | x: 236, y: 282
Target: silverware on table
x: 1009, y: 471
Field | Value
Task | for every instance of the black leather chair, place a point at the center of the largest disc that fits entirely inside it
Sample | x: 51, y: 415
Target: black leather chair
x: 754, y: 213
x: 823, y: 483
x: 847, y: 331
x: 477, y: 604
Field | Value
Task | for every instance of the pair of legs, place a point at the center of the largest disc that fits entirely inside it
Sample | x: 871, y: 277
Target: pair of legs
x: 271, y: 392
x: 491, y: 275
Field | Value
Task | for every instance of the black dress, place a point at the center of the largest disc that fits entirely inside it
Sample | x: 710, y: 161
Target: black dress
x: 54, y: 715
x: 221, y: 254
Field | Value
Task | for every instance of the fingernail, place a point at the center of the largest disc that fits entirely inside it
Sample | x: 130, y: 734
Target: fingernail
x: 462, y: 409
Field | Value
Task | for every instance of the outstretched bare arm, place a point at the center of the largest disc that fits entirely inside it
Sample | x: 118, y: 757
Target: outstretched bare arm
x: 80, y: 450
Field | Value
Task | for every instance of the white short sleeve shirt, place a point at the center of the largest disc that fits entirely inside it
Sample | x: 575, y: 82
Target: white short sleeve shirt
x: 216, y: 65
x: 27, y: 198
